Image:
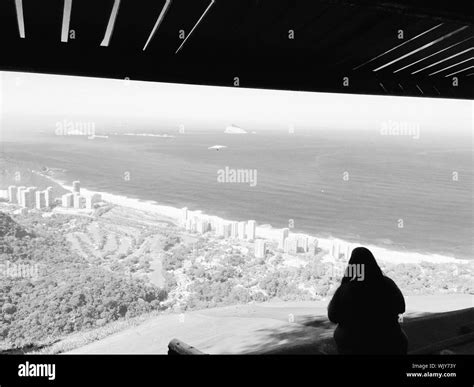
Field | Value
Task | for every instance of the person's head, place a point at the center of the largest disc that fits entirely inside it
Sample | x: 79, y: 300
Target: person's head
x: 362, y: 267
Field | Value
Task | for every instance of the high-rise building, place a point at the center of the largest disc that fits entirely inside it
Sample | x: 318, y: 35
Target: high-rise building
x: 13, y: 194
x: 241, y: 230
x: 31, y: 197
x: 76, y: 186
x: 184, y: 215
x: 291, y: 246
x: 40, y: 200
x: 234, y: 231
x: 202, y: 226
x: 260, y: 248
x: 282, y: 237
x: 227, y: 230
x: 67, y: 200
x: 4, y: 194
x: 23, y: 197
x: 48, y: 195
x: 199, y: 226
x: 313, y: 247
x: 251, y: 229
x: 28, y: 197
x: 189, y: 225
x: 222, y: 228
x: 76, y: 200
x: 218, y: 227
x: 303, y: 244
x: 206, y: 225
x: 79, y: 201
x: 92, y: 200
x: 20, y: 195
x: 212, y: 224
x: 348, y: 252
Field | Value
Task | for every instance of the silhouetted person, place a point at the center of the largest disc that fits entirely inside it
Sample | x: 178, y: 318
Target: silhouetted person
x: 366, y: 307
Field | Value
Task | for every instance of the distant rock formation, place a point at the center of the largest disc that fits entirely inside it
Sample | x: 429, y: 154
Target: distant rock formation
x: 234, y: 129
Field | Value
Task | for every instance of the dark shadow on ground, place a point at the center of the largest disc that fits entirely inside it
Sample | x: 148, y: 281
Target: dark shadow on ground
x: 314, y: 335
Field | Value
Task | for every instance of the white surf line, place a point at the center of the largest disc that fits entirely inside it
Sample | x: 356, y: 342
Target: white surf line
x: 66, y: 20
x: 199, y: 21
x: 421, y: 48
x: 429, y: 56
x: 454, y: 65
x: 460, y: 71
x: 400, y: 45
x: 158, y: 23
x: 19, y: 16
x: 110, y: 26
x: 442, y: 60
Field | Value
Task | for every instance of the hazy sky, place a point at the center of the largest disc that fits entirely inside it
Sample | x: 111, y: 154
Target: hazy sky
x: 38, y: 101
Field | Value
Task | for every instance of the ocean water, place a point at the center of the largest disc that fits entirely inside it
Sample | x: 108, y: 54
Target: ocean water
x: 300, y: 180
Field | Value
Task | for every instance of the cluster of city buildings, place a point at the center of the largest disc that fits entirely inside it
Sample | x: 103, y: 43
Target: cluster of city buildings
x: 291, y: 244
x: 294, y: 244
x: 30, y: 197
x: 75, y: 200
x: 234, y: 230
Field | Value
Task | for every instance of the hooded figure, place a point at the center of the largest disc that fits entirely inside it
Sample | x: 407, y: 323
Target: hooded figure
x: 366, y: 309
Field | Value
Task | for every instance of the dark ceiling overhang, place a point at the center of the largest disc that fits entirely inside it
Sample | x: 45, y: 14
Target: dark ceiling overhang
x: 344, y: 46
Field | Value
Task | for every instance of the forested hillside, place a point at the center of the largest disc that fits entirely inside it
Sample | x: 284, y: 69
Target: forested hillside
x: 59, y: 292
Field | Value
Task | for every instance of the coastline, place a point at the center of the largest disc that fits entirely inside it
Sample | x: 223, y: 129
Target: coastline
x: 265, y: 231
